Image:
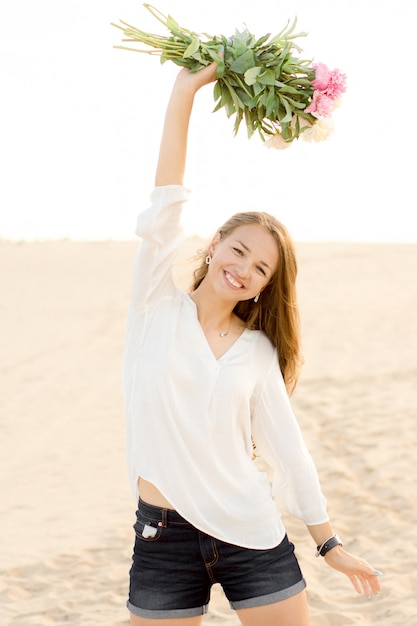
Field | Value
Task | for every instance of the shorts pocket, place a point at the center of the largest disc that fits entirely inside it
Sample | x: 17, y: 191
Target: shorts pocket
x: 146, y: 530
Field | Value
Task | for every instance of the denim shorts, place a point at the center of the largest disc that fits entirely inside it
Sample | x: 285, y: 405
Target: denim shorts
x: 175, y: 565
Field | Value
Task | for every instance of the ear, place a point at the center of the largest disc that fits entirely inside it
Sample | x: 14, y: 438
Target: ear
x: 213, y: 244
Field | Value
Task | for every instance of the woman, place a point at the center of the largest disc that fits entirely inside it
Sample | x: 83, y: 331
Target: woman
x: 204, y: 373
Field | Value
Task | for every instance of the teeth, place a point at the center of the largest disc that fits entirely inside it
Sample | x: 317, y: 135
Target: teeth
x: 232, y: 281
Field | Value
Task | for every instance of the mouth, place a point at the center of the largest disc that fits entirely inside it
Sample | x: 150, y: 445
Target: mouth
x: 232, y: 281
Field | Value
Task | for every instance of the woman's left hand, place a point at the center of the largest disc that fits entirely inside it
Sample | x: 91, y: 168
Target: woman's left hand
x: 363, y: 576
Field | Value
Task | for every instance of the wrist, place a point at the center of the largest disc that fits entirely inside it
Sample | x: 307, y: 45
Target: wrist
x: 334, y: 553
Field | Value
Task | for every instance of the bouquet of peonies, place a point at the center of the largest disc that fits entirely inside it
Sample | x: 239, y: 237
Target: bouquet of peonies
x: 259, y: 80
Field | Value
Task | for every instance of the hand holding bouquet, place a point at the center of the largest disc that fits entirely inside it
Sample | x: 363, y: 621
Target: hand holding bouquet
x: 259, y: 80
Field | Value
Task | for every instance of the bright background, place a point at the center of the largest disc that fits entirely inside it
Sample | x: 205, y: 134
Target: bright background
x: 80, y: 122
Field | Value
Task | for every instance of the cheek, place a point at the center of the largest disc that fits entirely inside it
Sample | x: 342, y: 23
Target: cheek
x: 263, y: 283
x: 267, y: 282
x: 221, y: 257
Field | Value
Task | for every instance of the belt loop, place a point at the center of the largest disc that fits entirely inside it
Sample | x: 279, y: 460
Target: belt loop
x: 164, y: 521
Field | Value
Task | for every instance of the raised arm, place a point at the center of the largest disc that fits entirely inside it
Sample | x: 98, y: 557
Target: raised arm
x: 173, y: 150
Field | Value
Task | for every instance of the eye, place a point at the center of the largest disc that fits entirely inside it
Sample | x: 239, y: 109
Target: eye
x: 261, y: 270
x: 238, y: 251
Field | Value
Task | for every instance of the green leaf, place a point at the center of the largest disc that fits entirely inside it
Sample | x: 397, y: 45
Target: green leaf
x: 239, y: 44
x: 286, y: 132
x: 247, y: 37
x: 243, y: 62
x: 244, y: 98
x: 192, y: 48
x: 215, y: 56
x: 277, y: 38
x: 253, y: 102
x: 175, y: 29
x: 236, y: 102
x: 197, y: 57
x: 266, y: 58
x: 239, y: 117
x: 295, y: 103
x: 270, y: 101
x: 267, y: 77
x: 288, y: 110
x: 291, y: 28
x: 262, y: 40
x: 297, y: 126
x: 258, y: 88
x: 217, y: 91
x: 303, y: 82
x: 251, y: 75
x: 226, y: 101
x: 284, y: 88
x: 250, y: 121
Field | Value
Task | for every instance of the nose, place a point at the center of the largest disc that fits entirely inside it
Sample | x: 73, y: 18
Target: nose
x: 242, y: 269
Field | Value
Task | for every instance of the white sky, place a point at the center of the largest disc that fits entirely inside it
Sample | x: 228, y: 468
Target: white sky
x: 80, y: 122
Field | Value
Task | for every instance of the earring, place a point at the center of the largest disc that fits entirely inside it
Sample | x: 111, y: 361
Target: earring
x: 256, y: 298
x: 208, y: 259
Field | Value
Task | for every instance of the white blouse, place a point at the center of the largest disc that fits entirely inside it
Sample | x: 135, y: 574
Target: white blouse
x: 190, y: 416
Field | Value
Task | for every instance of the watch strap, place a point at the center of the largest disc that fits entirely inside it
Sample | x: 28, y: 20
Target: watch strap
x: 330, y: 543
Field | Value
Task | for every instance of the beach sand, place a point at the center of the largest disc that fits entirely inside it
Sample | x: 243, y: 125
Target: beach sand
x: 66, y: 512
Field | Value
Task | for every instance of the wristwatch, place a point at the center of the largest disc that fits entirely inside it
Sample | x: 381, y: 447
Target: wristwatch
x: 328, y: 545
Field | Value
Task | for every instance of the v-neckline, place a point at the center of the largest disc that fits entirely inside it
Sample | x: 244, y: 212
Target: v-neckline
x: 203, y: 334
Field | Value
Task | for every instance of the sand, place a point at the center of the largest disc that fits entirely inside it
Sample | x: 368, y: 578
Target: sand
x: 66, y: 511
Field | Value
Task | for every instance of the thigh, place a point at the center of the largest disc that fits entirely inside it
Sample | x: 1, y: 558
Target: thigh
x: 290, y: 612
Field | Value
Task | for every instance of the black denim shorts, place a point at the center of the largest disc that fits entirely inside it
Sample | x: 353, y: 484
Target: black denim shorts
x: 175, y: 565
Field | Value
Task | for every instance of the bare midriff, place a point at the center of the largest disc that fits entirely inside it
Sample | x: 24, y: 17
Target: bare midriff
x: 150, y: 494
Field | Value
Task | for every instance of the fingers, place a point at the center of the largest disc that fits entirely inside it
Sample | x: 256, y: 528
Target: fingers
x: 370, y: 579
x: 368, y: 585
x: 364, y: 578
x: 208, y: 74
x: 375, y: 583
x: 195, y: 80
x: 355, y: 583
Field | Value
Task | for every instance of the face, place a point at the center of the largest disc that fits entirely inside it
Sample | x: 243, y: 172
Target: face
x: 243, y: 262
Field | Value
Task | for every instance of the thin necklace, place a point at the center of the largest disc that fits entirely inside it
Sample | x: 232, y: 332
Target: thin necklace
x: 224, y: 333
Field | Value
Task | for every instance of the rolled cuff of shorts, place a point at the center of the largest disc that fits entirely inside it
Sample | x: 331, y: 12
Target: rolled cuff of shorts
x: 270, y: 598
x: 167, y: 613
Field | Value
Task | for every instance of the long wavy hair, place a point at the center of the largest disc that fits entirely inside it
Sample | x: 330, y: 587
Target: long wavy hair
x: 276, y: 312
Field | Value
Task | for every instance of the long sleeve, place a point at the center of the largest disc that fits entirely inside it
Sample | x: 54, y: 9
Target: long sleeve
x: 160, y: 230
x: 296, y: 486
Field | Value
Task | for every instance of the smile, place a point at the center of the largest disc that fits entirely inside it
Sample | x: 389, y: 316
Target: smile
x: 232, y: 281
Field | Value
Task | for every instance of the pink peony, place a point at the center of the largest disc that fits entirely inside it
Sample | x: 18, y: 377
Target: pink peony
x: 337, y: 84
x: 332, y: 83
x: 321, y: 104
x: 322, y: 76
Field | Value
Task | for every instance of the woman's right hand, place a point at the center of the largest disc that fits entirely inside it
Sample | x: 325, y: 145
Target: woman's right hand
x: 196, y: 80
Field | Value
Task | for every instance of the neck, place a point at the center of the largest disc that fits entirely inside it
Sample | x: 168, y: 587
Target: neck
x: 212, y: 314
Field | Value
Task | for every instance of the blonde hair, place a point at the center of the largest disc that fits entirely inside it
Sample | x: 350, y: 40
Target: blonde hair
x: 276, y: 312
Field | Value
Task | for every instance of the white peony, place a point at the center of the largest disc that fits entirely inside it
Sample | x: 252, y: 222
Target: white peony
x: 320, y: 130
x: 276, y: 142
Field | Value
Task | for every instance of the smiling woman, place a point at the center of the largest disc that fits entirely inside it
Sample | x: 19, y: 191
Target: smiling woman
x: 268, y: 250
x: 205, y: 374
